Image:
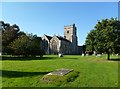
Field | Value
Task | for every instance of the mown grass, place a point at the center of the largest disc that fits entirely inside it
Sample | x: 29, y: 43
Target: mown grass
x: 93, y: 71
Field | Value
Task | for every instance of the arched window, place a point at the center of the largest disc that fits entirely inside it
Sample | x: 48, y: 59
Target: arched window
x: 45, y: 45
x: 54, y: 47
x: 67, y: 31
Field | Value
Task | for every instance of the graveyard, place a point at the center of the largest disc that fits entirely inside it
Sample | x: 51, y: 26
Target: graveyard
x: 54, y: 71
x: 59, y: 44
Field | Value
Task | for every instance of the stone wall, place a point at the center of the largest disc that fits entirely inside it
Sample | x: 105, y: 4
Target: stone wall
x: 54, y: 45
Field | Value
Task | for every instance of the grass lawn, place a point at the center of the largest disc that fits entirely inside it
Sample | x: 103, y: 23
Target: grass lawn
x: 27, y: 72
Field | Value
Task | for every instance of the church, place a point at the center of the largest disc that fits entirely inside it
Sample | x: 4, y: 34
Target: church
x: 65, y: 45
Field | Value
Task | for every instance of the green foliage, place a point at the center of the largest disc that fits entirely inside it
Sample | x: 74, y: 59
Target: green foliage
x: 9, y: 34
x: 105, y: 37
x: 27, y: 46
x: 36, y: 45
x: 90, y: 40
x: 21, y: 45
x: 15, y: 42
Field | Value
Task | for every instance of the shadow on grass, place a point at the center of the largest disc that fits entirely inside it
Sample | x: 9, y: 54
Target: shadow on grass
x: 69, y: 58
x: 12, y: 74
x: 34, y: 58
x: 28, y: 58
x: 115, y: 59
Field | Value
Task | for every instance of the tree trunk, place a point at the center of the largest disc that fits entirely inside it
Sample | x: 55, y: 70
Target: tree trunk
x: 108, y: 56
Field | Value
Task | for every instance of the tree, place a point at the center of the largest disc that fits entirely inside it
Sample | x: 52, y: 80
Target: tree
x: 20, y: 46
x: 105, y: 38
x: 27, y: 45
x: 16, y: 42
x: 90, y: 41
x: 9, y: 34
x: 36, y: 45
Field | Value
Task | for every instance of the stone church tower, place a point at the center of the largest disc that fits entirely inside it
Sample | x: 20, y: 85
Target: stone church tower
x: 70, y: 34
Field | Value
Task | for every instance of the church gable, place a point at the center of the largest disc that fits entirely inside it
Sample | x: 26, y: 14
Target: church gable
x: 54, y: 38
x: 46, y: 37
x: 54, y: 45
x: 46, y: 43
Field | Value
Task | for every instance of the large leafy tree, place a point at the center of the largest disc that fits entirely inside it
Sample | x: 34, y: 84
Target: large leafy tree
x: 9, y: 34
x: 90, y: 41
x: 27, y: 46
x: 105, y: 38
x: 36, y: 45
x: 20, y: 46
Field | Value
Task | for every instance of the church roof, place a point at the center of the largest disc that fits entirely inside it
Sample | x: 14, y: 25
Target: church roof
x: 49, y: 37
x: 61, y: 38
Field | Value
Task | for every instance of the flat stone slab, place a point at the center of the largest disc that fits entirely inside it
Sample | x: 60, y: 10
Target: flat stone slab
x: 60, y: 72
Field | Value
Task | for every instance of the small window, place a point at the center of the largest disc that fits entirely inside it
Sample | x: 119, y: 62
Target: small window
x: 67, y: 31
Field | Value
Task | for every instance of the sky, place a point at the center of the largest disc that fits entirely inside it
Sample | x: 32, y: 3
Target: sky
x: 60, y: 0
x: 50, y: 17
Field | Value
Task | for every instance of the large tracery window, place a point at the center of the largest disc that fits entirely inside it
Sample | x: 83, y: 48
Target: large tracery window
x: 54, y: 47
x: 45, y: 45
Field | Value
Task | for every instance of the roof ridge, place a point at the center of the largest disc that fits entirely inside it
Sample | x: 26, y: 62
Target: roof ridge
x: 62, y: 38
x: 49, y: 37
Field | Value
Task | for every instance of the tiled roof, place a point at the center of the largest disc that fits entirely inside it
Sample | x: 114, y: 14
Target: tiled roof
x: 61, y: 38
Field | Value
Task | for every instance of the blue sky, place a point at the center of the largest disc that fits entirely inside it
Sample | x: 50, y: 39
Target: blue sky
x: 50, y: 17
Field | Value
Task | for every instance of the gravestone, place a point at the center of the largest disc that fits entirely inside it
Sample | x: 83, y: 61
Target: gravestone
x: 60, y: 55
x: 83, y: 54
x: 60, y: 72
x: 94, y: 53
x: 98, y: 55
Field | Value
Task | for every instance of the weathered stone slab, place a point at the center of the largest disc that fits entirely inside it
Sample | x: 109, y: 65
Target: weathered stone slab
x: 60, y: 72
